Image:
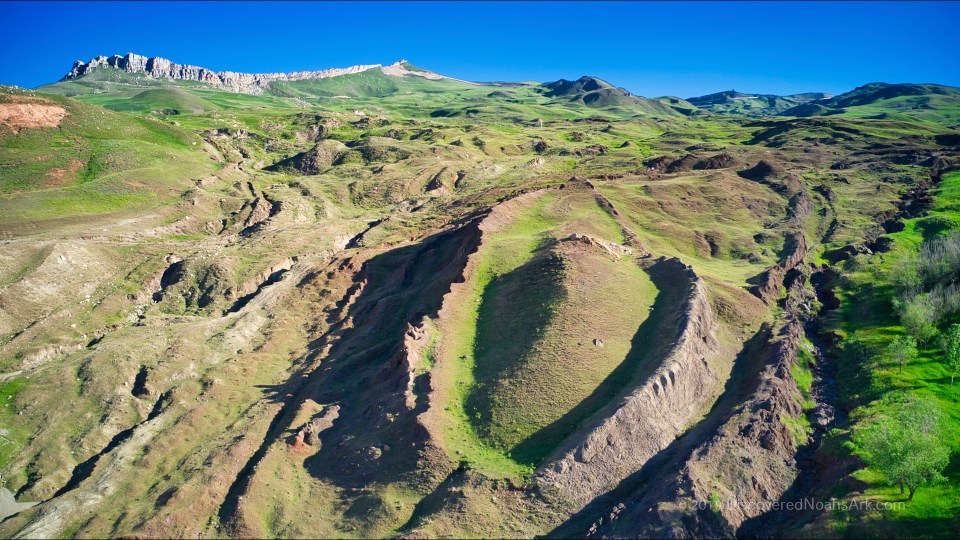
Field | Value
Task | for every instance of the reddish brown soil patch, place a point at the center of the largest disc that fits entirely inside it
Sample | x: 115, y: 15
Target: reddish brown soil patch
x: 28, y: 112
x: 58, y: 176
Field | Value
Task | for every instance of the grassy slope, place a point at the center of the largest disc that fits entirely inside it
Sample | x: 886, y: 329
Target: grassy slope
x: 486, y: 426
x: 95, y: 162
x: 866, y: 309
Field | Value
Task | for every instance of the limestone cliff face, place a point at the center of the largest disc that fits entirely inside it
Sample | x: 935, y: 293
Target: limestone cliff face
x: 250, y: 83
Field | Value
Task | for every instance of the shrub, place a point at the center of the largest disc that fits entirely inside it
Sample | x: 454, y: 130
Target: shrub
x: 918, y: 317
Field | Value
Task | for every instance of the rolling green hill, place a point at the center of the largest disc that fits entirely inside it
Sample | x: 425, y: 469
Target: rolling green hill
x: 95, y: 161
x: 733, y: 102
x: 917, y: 102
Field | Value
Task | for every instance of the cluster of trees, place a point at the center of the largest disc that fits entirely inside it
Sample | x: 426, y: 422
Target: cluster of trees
x: 903, y: 349
x: 928, y: 298
x: 904, y: 440
x: 906, y: 444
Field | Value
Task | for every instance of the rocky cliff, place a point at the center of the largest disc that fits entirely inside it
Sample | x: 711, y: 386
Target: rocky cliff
x: 250, y: 83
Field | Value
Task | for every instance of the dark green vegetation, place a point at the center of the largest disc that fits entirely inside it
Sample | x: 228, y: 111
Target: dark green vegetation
x: 906, y: 447
x: 878, y: 295
x: 374, y: 305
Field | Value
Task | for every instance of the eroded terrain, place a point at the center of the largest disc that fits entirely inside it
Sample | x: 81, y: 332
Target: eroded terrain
x: 487, y: 311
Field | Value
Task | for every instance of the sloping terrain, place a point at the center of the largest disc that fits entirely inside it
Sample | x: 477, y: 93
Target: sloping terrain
x: 733, y: 102
x: 377, y: 304
x: 882, y: 101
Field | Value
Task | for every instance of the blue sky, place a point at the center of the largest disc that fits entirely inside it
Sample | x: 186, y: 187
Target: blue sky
x: 650, y: 48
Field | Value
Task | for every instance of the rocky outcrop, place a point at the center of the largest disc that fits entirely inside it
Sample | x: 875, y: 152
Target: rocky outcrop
x: 270, y: 273
x: 309, y: 434
x: 682, y: 164
x: 737, y: 463
x: 441, y: 181
x: 765, y: 434
x: 172, y: 273
x: 614, y: 249
x: 737, y: 473
x: 249, y: 83
x: 649, y: 418
x: 769, y: 282
x: 719, y: 161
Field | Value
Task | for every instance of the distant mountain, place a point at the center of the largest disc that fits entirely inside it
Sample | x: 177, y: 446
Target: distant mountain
x: 137, y: 83
x: 248, y: 83
x: 874, y: 92
x: 733, y: 102
x: 888, y: 101
x: 597, y: 93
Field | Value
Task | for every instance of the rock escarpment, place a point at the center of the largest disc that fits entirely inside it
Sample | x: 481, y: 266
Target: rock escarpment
x: 250, y: 83
x: 737, y: 473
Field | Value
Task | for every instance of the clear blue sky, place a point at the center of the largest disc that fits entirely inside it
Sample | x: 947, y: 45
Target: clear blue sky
x: 650, y: 48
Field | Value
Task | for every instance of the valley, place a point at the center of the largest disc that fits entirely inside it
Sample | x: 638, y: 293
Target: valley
x: 376, y: 301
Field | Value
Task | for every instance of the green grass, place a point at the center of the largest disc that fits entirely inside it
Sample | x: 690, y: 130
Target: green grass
x: 526, y: 370
x: 802, y: 372
x: 13, y: 433
x: 866, y: 309
x: 95, y: 162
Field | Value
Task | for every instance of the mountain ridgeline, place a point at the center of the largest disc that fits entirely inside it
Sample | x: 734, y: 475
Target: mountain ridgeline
x: 380, y: 302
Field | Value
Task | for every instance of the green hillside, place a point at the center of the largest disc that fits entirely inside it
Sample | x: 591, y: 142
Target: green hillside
x: 733, y: 102
x: 911, y: 102
x: 96, y: 161
x: 381, y: 305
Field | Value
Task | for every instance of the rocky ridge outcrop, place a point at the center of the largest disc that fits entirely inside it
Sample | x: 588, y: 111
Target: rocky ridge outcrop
x: 734, y: 468
x: 249, y: 83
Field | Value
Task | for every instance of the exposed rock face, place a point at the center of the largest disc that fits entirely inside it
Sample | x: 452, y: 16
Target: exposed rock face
x: 719, y: 161
x: 610, y: 247
x: 249, y: 83
x: 441, y: 181
x: 774, y: 175
x: 747, y: 464
x: 658, y: 163
x: 685, y: 163
x: 768, y: 288
x: 309, y: 434
x: 647, y: 419
x: 251, y: 286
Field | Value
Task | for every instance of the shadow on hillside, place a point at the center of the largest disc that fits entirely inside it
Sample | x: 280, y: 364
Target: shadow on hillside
x: 376, y: 435
x: 515, y: 310
x: 648, y: 345
x: 363, y: 372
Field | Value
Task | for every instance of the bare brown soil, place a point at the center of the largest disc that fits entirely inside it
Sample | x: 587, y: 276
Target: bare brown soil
x: 30, y: 112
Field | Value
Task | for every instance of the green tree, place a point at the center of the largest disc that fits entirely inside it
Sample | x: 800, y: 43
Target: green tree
x: 905, y: 446
x: 902, y: 350
x: 951, y: 348
x: 918, y: 318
